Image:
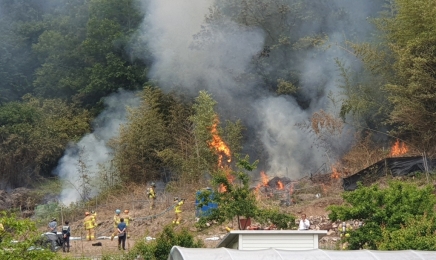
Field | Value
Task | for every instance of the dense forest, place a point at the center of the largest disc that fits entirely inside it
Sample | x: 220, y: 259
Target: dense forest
x: 296, y: 84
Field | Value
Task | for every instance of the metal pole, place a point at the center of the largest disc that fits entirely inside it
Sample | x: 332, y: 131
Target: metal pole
x: 425, y: 163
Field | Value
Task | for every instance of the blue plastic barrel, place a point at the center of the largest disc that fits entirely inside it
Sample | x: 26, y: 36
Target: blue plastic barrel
x: 205, y: 210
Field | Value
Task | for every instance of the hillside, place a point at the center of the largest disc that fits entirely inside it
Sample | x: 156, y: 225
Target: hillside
x: 149, y: 223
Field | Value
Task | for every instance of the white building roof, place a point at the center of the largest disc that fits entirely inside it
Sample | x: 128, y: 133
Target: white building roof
x: 279, y: 239
x: 181, y: 253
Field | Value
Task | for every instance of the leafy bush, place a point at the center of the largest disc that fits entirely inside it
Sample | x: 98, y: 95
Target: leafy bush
x: 238, y: 200
x: 417, y: 234
x: 278, y: 219
x: 18, y: 236
x: 383, y: 212
x: 160, y: 248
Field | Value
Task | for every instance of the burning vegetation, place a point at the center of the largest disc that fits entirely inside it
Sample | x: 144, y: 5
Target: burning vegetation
x: 399, y: 148
x: 218, y: 144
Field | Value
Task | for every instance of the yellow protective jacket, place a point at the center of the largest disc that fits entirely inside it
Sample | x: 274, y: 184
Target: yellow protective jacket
x: 151, y: 193
x: 1, y: 227
x: 127, y: 219
x: 89, y: 222
x: 94, y: 216
x: 179, y: 207
x: 116, y: 220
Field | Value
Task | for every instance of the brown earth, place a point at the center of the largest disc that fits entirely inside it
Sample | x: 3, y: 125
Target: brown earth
x: 144, y: 225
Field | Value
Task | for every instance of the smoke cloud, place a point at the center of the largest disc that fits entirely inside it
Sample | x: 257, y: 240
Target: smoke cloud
x: 92, y: 151
x: 190, y: 54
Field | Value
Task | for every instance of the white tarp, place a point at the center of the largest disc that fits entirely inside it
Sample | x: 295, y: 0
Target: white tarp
x: 181, y: 253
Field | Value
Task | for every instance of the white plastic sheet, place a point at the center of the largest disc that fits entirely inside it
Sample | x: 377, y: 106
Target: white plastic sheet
x: 181, y: 253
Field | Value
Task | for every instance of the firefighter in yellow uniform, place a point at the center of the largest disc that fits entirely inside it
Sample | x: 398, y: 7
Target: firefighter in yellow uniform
x: 127, y: 220
x: 178, y: 210
x: 152, y: 195
x: 116, y: 222
x: 94, y: 215
x: 89, y: 224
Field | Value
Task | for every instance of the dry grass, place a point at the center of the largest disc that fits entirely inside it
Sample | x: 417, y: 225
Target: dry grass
x: 134, y: 199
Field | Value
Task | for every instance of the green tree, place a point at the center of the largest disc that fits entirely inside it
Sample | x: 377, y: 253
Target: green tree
x: 190, y: 154
x: 397, y: 90
x: 235, y: 199
x: 27, y: 236
x: 34, y: 135
x: 410, y: 34
x: 140, y: 140
x: 203, y: 120
x: 382, y: 210
x: 416, y: 234
x: 83, y: 50
x: 20, y: 27
x: 58, y: 48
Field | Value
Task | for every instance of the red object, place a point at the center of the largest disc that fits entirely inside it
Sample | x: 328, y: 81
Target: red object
x: 244, y: 223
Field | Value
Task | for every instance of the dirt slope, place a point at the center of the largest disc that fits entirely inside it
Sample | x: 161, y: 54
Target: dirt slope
x: 149, y: 223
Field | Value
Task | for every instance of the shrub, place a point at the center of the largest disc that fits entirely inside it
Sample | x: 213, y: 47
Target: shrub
x: 160, y: 248
x: 384, y: 211
x: 238, y: 200
x: 417, y: 234
x: 18, y: 236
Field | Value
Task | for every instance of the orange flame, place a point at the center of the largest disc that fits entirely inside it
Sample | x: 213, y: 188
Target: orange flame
x: 219, y: 144
x: 280, y: 185
x: 230, y: 179
x: 222, y: 188
x: 264, y: 178
x: 335, y: 173
x: 399, y: 149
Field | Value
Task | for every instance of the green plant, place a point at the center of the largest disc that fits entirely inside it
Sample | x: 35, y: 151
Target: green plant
x: 383, y: 211
x: 276, y: 218
x: 18, y: 236
x: 236, y: 199
x: 160, y: 248
x: 417, y: 234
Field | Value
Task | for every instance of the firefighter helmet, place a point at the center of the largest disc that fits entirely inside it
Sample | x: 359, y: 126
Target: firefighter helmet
x: 176, y: 198
x: 126, y: 211
x: 153, y: 184
x: 92, y: 211
x: 118, y: 211
x: 87, y: 213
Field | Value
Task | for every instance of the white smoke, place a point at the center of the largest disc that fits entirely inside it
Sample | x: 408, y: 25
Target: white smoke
x: 190, y: 54
x: 92, y: 150
x: 175, y: 32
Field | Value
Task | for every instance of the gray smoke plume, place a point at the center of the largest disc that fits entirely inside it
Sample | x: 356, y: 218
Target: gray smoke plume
x: 191, y: 54
x: 94, y: 148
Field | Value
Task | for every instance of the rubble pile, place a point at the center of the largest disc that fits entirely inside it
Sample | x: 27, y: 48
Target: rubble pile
x: 334, y: 229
